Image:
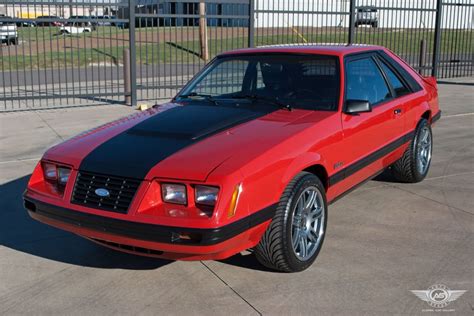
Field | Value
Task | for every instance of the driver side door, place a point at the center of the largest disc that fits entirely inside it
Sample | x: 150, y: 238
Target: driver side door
x: 367, y: 136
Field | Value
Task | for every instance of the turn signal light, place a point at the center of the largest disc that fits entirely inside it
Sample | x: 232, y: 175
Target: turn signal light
x: 234, y: 200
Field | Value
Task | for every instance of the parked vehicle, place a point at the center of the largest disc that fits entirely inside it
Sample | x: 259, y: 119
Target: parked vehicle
x: 105, y: 20
x: 26, y: 24
x: 75, y: 28
x: 89, y: 21
x: 8, y: 31
x: 367, y: 16
x: 249, y: 154
x: 48, y: 20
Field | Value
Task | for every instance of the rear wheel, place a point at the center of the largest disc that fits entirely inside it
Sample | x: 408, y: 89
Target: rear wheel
x: 415, y: 162
x: 295, y: 236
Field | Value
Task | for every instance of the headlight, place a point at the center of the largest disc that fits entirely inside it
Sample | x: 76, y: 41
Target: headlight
x: 206, y: 195
x: 174, y: 193
x: 57, y: 175
x: 63, y: 175
x: 50, y: 172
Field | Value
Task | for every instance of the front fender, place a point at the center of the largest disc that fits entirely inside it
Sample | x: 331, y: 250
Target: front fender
x: 300, y: 163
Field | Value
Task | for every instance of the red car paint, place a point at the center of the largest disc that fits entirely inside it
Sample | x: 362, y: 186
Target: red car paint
x: 263, y: 155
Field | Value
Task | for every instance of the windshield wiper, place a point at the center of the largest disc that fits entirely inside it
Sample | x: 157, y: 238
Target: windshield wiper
x: 207, y: 97
x: 256, y: 97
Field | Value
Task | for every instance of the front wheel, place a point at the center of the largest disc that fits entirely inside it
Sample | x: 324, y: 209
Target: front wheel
x: 295, y: 236
x: 415, y: 162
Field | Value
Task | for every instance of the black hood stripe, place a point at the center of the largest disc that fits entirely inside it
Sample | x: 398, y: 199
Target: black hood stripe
x: 133, y: 153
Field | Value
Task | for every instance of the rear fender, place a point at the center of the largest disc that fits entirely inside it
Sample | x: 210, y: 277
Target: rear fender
x: 431, y: 81
x: 419, y: 111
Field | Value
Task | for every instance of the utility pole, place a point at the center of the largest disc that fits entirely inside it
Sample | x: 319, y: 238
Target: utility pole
x: 203, y: 31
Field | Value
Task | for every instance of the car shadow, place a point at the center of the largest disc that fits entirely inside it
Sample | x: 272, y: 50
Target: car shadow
x: 21, y: 233
x: 247, y: 261
x: 386, y: 176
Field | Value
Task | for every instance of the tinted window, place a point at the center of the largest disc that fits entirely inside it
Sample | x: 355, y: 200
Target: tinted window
x: 397, y: 85
x: 225, y: 78
x: 301, y: 81
x: 414, y: 86
x: 365, y: 82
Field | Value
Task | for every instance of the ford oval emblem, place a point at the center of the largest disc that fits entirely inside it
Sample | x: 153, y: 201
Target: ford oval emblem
x: 102, y: 192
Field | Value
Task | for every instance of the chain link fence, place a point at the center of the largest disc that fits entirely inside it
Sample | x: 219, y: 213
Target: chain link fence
x: 67, y: 53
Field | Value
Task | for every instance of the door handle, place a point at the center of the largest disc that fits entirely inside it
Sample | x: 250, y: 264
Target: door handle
x: 397, y: 111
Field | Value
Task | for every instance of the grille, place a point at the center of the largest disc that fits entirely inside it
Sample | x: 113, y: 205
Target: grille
x: 138, y: 250
x: 121, y: 192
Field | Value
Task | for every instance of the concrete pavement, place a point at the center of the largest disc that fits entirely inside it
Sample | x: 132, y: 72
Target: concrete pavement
x: 383, y: 240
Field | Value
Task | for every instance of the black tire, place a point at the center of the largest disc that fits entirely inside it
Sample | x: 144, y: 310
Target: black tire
x: 275, y: 250
x: 405, y: 169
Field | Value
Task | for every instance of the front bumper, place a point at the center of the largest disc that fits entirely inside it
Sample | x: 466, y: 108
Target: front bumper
x: 156, y: 240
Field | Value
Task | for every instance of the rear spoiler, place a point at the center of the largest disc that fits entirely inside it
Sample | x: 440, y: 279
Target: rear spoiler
x: 431, y: 81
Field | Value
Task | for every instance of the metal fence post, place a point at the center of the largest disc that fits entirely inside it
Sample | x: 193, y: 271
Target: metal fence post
x: 421, y: 61
x: 437, y: 38
x: 251, y: 39
x: 126, y: 76
x: 351, y: 22
x: 133, y: 53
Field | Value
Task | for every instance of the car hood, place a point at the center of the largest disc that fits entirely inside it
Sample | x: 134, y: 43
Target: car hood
x: 177, y: 142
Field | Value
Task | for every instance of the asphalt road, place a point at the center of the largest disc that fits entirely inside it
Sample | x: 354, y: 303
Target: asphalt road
x: 96, y: 73
x: 383, y: 240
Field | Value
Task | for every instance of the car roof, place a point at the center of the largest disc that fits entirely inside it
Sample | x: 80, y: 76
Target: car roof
x: 331, y: 49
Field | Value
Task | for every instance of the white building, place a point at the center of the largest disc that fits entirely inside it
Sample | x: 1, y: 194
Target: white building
x: 391, y: 13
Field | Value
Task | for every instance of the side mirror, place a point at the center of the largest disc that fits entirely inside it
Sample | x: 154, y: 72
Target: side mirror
x: 357, y: 106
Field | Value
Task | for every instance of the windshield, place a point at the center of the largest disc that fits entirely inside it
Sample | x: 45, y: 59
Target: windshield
x: 300, y: 81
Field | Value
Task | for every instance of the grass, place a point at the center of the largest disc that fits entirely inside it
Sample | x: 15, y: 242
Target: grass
x: 74, y: 55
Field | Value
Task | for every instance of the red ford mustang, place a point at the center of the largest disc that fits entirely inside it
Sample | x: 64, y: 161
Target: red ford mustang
x: 248, y: 155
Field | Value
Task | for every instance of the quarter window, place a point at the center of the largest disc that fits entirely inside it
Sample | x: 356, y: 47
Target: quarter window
x: 398, y: 86
x: 365, y: 82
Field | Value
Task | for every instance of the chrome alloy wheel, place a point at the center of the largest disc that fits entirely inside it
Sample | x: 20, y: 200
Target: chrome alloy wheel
x: 423, y: 150
x: 307, y: 227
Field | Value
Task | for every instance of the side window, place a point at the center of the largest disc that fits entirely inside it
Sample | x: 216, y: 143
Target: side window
x: 398, y: 86
x: 365, y: 82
